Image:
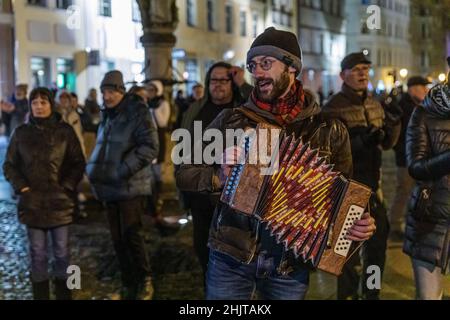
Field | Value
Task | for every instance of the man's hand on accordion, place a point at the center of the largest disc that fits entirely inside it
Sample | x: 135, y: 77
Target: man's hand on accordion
x: 362, y: 229
x: 231, y: 157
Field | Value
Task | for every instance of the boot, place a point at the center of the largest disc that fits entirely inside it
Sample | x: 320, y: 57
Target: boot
x: 41, y: 290
x: 61, y: 290
x: 145, y: 289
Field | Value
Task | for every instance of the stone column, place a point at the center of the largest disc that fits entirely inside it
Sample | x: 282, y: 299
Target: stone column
x: 159, y: 21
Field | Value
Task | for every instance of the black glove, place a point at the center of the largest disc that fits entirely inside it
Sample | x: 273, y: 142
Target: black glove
x: 373, y: 136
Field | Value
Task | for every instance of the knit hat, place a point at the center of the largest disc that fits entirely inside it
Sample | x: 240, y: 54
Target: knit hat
x: 113, y: 80
x: 282, y: 45
x: 353, y: 59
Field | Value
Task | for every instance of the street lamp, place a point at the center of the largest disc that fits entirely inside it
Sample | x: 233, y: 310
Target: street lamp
x: 442, y: 77
x: 403, y: 73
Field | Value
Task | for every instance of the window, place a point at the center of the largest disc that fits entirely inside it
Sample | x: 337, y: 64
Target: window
x: 191, y: 11
x: 364, y: 28
x: 105, y: 8
x: 39, y: 3
x: 228, y: 18
x: 135, y: 13
x: 107, y: 65
x: 210, y: 15
x: 282, y: 12
x: 40, y: 71
x: 191, y: 68
x: 63, y: 4
x: 243, y: 23
x: 321, y: 43
x: 424, y: 30
x: 66, y: 78
x: 255, y: 18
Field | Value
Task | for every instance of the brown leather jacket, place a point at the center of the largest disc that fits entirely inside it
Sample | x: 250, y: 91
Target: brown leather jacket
x: 240, y: 236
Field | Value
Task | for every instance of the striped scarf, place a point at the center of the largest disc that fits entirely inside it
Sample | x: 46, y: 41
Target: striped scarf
x: 287, y: 108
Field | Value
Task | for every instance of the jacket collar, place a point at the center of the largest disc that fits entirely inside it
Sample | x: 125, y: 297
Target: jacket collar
x: 353, y: 96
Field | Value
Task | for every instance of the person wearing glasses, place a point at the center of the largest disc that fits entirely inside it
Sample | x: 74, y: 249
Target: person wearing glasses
x: 372, y: 129
x: 226, y: 88
x: 244, y: 258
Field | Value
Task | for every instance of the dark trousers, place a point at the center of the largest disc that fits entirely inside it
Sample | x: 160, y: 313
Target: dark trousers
x: 202, y: 210
x: 125, y: 222
x: 373, y: 254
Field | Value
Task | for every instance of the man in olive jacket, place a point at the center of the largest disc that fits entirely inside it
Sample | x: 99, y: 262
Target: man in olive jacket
x: 243, y: 254
x: 372, y: 129
x: 119, y: 171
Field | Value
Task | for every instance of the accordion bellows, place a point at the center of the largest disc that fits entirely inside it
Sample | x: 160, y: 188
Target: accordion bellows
x: 304, y: 204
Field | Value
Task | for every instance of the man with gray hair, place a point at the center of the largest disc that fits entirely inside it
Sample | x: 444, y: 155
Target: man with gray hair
x: 119, y: 171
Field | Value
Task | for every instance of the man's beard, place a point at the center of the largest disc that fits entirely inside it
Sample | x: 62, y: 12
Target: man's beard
x: 279, y: 87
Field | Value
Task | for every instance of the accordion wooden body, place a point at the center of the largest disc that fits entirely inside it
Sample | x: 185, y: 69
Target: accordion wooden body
x: 306, y: 205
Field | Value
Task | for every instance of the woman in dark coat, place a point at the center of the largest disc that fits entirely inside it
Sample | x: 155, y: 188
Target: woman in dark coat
x: 427, y: 239
x: 44, y: 164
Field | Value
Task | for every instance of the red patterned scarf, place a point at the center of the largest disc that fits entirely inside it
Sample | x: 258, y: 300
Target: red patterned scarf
x: 287, y: 108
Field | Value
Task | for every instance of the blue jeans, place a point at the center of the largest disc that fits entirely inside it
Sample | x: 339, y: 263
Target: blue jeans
x: 228, y: 279
x: 39, y: 252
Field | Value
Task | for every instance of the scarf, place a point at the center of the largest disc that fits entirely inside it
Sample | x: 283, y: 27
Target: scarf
x: 287, y: 108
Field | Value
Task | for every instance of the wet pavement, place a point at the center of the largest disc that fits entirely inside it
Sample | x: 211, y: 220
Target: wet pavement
x: 177, y: 274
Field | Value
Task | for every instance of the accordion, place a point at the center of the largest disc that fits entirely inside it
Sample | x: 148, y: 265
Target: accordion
x: 306, y: 205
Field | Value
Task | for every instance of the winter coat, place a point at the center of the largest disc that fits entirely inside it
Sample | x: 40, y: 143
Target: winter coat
x: 428, y: 154
x: 362, y: 115
x: 127, y: 143
x: 45, y: 156
x: 73, y: 118
x: 241, y: 236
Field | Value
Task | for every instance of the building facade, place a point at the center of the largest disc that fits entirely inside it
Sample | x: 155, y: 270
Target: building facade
x: 384, y: 36
x: 7, y: 80
x: 321, y: 30
x: 430, y: 36
x: 72, y: 43
x: 223, y: 30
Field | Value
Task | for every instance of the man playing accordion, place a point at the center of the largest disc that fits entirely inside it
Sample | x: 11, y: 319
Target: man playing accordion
x: 244, y: 257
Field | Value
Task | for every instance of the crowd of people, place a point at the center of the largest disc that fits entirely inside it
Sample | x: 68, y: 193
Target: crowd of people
x: 47, y: 159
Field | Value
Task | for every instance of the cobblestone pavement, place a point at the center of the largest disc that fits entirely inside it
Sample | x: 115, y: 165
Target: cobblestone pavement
x: 177, y: 274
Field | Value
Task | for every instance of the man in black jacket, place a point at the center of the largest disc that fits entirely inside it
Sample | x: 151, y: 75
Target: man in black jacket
x: 226, y: 88
x: 119, y: 171
x: 417, y: 91
x: 372, y: 129
x: 243, y: 254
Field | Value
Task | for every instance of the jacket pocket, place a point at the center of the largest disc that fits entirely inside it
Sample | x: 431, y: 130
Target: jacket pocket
x: 423, y: 204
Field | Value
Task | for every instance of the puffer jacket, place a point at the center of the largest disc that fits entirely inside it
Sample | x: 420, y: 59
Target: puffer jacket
x: 428, y: 154
x: 240, y: 236
x: 45, y: 156
x: 359, y: 114
x: 127, y: 143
